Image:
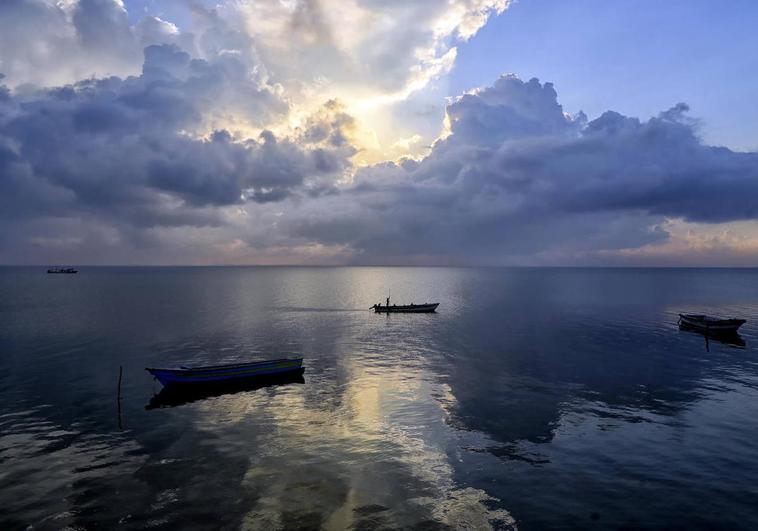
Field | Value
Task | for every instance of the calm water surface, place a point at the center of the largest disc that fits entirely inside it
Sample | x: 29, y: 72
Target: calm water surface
x: 533, y: 399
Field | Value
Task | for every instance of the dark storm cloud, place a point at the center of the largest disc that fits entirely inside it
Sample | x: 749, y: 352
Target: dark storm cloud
x: 113, y: 148
x: 518, y: 177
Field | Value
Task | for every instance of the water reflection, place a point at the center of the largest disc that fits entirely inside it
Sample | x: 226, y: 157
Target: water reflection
x: 173, y: 396
x: 367, y: 448
x: 733, y: 339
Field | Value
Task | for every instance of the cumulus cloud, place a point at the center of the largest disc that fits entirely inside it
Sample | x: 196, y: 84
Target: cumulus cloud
x: 518, y: 180
x: 369, y: 55
x: 120, y: 151
x: 49, y: 42
x: 373, y: 56
x: 369, y: 47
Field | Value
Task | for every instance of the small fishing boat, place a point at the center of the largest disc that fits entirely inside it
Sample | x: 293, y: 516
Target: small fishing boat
x: 216, y: 374
x: 428, y: 307
x: 62, y: 271
x: 708, y: 324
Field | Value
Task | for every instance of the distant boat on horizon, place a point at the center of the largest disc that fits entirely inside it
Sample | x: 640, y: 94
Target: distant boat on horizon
x: 62, y: 271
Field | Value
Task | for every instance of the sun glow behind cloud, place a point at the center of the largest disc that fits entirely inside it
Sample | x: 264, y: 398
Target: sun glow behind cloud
x: 368, y: 58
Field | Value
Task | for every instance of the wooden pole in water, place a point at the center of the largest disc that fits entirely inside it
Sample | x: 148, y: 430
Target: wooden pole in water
x: 118, y: 395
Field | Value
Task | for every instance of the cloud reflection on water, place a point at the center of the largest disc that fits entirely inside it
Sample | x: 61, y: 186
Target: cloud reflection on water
x: 376, y: 453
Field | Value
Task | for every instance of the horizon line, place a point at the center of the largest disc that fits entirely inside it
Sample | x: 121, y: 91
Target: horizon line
x: 398, y: 266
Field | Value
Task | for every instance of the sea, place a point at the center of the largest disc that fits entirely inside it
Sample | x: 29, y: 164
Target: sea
x: 534, y: 398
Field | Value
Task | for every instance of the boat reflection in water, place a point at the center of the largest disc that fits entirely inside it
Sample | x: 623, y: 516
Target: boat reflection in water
x: 733, y: 339
x: 178, y: 395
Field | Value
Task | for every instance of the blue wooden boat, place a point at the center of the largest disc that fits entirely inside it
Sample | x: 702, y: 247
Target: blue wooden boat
x: 217, y: 374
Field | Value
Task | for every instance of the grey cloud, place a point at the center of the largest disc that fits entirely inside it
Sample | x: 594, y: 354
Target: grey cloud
x: 509, y: 109
x: 518, y: 178
x: 113, y: 150
x: 102, y: 26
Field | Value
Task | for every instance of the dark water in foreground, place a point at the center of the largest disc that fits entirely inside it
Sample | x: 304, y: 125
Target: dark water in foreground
x: 534, y: 398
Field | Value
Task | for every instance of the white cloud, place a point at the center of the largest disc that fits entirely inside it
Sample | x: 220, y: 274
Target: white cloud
x: 46, y: 43
x: 370, y: 55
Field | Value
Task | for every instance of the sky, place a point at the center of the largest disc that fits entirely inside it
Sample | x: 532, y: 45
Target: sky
x: 432, y: 132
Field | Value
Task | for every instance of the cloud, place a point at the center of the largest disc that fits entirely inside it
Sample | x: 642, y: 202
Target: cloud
x: 706, y: 245
x: 125, y: 153
x: 47, y: 42
x: 354, y: 46
x: 366, y: 47
x: 230, y: 143
x: 373, y: 56
x: 369, y: 55
x: 519, y: 181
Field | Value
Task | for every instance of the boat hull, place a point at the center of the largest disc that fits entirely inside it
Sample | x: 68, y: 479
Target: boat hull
x: 709, y: 325
x: 217, y: 374
x: 410, y: 308
x: 178, y: 395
